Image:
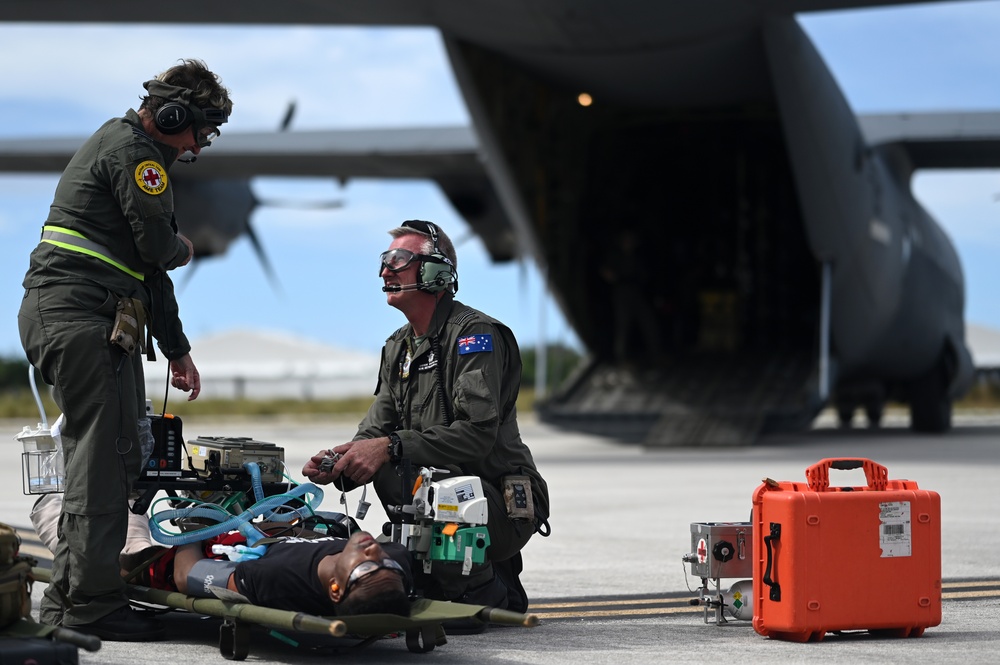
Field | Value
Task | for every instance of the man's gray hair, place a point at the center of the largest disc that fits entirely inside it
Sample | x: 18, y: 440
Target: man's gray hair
x: 444, y: 242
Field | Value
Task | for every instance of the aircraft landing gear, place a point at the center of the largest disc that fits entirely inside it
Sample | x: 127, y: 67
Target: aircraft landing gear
x: 845, y: 415
x: 870, y: 396
x: 873, y: 411
x: 930, y: 405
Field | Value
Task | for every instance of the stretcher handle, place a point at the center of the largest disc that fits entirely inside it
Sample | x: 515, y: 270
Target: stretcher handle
x: 818, y: 474
x: 88, y: 642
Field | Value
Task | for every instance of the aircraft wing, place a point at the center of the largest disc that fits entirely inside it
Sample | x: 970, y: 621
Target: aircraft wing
x: 938, y: 140
x: 447, y: 155
x: 442, y: 13
x: 424, y: 152
x: 933, y: 140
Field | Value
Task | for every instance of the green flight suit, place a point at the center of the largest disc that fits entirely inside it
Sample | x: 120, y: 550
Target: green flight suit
x: 483, y: 439
x: 115, y: 192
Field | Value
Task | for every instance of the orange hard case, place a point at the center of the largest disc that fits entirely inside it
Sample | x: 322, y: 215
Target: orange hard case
x: 829, y: 559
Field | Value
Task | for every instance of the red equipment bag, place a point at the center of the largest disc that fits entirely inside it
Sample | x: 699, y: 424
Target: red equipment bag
x: 830, y: 559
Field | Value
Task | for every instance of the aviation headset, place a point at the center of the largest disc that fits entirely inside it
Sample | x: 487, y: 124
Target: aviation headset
x: 178, y: 113
x: 437, y: 272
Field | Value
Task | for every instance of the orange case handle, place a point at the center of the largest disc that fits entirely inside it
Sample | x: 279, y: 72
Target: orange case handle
x: 818, y: 474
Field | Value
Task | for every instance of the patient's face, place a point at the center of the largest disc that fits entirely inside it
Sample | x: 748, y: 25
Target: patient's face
x: 361, y: 548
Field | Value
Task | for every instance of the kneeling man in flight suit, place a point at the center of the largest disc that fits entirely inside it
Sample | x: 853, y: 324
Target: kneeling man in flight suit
x: 446, y: 394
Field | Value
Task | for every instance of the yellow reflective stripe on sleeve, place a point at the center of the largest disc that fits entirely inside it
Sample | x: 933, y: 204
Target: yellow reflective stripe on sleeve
x: 77, y: 242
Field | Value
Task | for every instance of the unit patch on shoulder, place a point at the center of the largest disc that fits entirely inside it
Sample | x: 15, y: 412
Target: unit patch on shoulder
x: 475, y: 344
x: 151, y: 177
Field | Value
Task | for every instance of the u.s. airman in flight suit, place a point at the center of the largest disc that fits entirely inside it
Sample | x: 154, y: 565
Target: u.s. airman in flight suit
x: 107, y: 244
x: 446, y: 397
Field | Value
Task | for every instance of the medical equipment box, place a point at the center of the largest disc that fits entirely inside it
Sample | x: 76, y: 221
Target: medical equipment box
x: 167, y: 459
x: 845, y: 558
x: 721, y: 549
x: 231, y: 453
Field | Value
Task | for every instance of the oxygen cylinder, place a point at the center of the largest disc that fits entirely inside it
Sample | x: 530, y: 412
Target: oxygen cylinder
x: 738, y: 600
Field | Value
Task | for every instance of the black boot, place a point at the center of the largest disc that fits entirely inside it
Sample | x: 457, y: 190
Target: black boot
x: 491, y: 594
x: 509, y: 572
x: 123, y: 625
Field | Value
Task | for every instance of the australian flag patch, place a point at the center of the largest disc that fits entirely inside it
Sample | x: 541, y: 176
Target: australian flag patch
x: 475, y: 344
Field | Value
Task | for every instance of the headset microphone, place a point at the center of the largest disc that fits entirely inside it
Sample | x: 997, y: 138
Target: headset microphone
x: 188, y: 161
x: 397, y: 288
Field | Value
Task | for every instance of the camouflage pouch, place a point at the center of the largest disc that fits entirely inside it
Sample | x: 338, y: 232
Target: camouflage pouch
x: 15, y: 578
x: 130, y: 324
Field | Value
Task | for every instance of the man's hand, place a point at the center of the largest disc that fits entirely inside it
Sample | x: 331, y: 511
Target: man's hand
x: 359, y: 460
x: 317, y: 472
x: 184, y: 376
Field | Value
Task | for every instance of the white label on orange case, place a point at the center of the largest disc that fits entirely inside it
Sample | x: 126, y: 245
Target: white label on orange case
x: 894, y: 528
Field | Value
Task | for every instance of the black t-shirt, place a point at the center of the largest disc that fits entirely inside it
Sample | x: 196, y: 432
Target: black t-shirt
x: 285, y: 577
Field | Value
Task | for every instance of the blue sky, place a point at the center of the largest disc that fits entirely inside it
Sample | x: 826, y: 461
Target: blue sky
x: 67, y: 80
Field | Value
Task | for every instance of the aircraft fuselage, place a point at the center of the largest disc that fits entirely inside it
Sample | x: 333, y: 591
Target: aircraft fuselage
x: 686, y: 224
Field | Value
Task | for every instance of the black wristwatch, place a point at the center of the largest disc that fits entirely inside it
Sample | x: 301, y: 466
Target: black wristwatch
x: 395, y: 448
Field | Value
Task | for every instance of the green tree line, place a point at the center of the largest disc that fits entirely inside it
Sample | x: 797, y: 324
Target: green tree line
x: 16, y: 400
x: 561, y: 360
x: 14, y: 374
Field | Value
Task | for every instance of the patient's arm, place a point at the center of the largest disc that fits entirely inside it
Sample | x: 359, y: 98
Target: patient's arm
x: 186, y: 556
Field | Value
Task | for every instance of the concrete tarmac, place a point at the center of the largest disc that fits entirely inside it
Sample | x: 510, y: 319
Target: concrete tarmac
x: 609, y: 584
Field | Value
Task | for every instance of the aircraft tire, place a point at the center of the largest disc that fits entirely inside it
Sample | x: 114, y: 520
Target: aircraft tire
x: 930, y: 407
x: 845, y: 414
x: 873, y: 412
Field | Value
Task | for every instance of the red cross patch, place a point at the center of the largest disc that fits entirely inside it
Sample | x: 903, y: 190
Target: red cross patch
x: 151, y: 177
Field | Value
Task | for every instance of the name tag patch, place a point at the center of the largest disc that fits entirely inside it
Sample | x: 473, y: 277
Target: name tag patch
x: 431, y: 363
x: 475, y: 344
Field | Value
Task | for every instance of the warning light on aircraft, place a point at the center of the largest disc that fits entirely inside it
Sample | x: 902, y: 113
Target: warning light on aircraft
x: 584, y: 99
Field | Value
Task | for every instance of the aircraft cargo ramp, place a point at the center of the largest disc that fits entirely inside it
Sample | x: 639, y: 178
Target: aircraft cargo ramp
x: 700, y: 400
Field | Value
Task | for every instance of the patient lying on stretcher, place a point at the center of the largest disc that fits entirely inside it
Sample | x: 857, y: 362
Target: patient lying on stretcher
x: 323, y: 576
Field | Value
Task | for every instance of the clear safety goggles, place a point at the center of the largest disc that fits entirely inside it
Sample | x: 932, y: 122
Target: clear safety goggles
x: 206, y: 135
x: 395, y: 260
x: 206, y: 125
x: 370, y: 567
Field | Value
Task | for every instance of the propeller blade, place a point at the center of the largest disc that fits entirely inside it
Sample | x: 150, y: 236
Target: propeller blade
x: 264, y: 262
x: 188, y: 273
x: 289, y: 114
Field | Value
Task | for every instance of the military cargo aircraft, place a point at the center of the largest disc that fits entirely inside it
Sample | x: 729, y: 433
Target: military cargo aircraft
x: 733, y: 245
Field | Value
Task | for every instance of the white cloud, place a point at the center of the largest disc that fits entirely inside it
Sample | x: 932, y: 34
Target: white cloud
x: 340, y: 76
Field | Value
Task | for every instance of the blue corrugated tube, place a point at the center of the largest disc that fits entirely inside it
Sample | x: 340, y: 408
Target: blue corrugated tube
x: 265, y: 507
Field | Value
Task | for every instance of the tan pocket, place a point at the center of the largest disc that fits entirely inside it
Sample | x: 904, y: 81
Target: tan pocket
x: 130, y: 323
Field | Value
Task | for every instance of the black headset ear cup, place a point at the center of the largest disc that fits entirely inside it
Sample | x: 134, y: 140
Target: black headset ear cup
x: 173, y: 118
x: 436, y: 277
